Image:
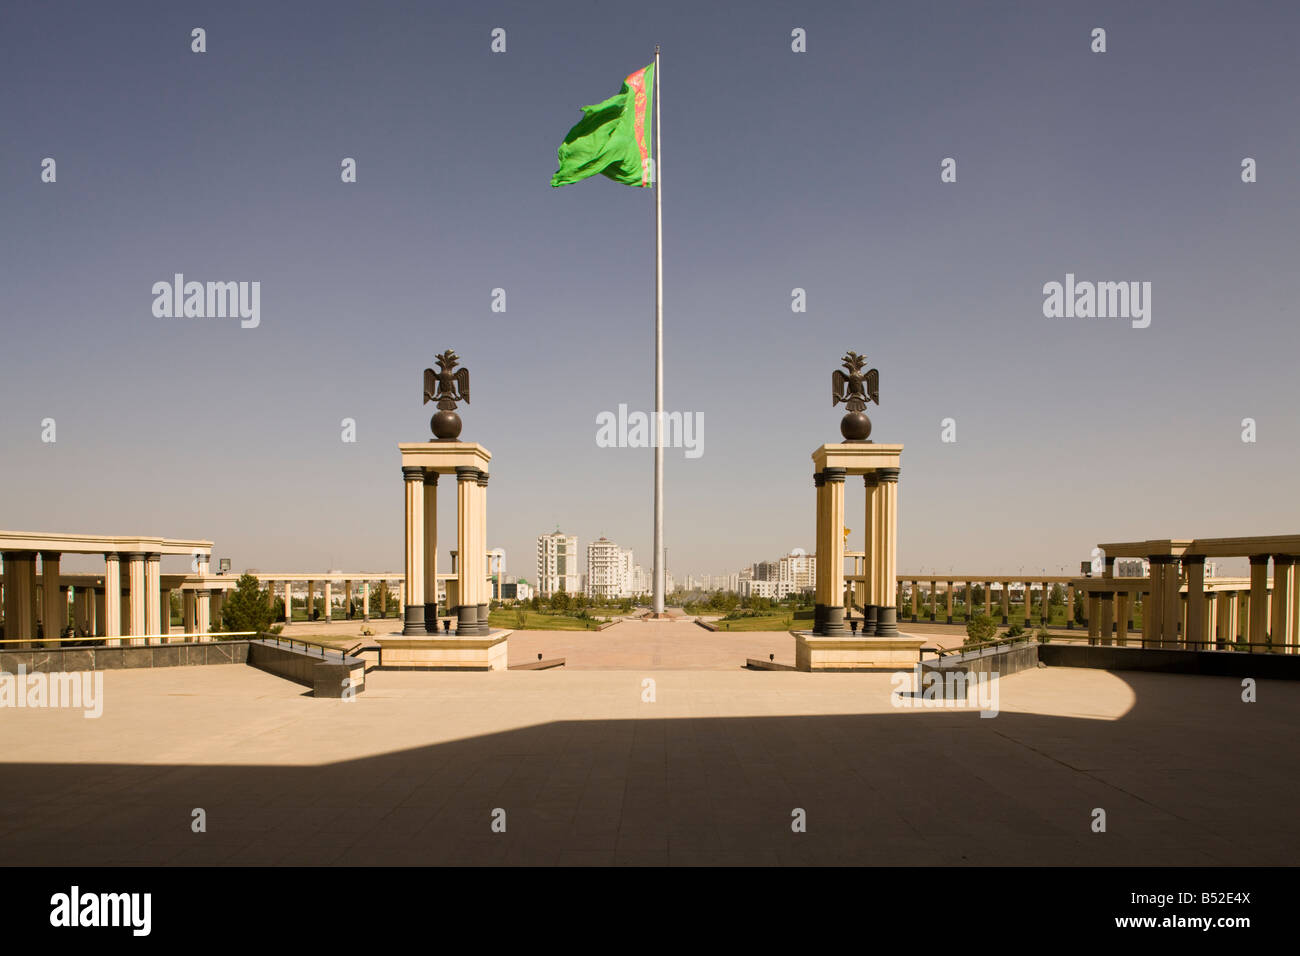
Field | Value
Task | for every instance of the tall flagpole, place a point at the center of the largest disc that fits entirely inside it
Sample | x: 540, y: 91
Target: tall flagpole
x: 659, y: 356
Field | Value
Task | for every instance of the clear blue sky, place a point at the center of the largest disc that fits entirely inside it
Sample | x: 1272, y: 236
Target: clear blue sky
x: 817, y: 170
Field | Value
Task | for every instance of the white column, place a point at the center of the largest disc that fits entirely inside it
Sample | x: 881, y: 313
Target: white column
x: 135, y: 580
x: 152, y: 594
x: 203, y: 609
x: 413, y: 610
x: 112, y: 626
x: 430, y: 549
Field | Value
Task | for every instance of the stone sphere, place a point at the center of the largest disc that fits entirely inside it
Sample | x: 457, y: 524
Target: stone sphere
x: 445, y: 425
x: 855, y: 426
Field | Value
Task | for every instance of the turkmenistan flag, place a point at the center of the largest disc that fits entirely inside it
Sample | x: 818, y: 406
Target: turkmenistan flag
x: 613, y: 137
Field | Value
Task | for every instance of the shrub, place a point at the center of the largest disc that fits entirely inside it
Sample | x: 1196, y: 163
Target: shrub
x: 247, y: 609
x: 979, y: 629
x: 1015, y: 630
x: 1043, y: 636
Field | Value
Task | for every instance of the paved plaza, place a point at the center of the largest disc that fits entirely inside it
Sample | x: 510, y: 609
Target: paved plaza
x: 587, y: 771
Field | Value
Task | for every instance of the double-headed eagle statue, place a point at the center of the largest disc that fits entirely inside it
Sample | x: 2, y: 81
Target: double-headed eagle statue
x: 447, y: 386
x: 855, y: 389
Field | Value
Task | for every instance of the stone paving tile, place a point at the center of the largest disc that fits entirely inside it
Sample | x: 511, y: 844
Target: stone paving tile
x: 409, y: 773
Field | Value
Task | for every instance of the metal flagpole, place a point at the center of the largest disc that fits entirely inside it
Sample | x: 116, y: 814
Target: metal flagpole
x: 659, y: 357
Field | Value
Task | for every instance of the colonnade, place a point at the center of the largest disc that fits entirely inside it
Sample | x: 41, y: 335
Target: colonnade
x: 128, y: 600
x: 468, y: 592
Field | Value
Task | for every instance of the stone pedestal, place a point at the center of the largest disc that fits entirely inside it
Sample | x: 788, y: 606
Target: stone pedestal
x: 451, y: 652
x: 845, y: 652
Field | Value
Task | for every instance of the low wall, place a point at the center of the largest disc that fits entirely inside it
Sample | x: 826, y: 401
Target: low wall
x: 993, y: 662
x: 1172, y: 660
x: 327, y: 677
x: 66, y: 659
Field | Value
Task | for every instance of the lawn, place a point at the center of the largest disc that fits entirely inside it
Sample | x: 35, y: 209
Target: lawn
x: 539, y: 621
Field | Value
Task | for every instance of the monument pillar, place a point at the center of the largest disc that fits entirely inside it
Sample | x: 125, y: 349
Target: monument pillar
x: 430, y: 551
x: 873, y: 600
x: 413, y: 622
x: 830, y: 552
x: 887, y: 551
x: 480, y: 556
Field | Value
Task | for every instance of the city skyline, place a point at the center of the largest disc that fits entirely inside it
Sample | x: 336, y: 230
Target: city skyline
x: 1122, y: 166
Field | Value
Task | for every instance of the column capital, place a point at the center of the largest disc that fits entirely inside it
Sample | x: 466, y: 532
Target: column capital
x: 1168, y: 559
x: 430, y: 476
x: 819, y: 479
x: 888, y: 474
x: 51, y: 555
x: 1284, y: 559
x: 413, y: 473
x: 135, y: 556
x: 153, y: 557
x: 834, y: 474
x: 1189, y: 559
x: 1259, y: 559
x: 871, y: 479
x: 482, y: 478
x: 466, y: 473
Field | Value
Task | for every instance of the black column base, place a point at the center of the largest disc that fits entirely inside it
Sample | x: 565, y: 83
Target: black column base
x: 887, y: 622
x: 1004, y: 620
x: 949, y: 621
x: 483, y: 618
x: 467, y: 624
x: 431, y: 618
x: 414, y: 621
x: 828, y: 620
x: 869, y: 618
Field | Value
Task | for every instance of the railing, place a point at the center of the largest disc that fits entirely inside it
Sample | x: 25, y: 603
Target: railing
x: 942, y: 652
x: 281, y: 641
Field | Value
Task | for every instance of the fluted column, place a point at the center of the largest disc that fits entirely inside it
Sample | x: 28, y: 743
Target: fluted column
x: 1006, y: 602
x: 947, y: 597
x: 328, y: 598
x: 189, y: 611
x: 871, y: 551
x: 915, y: 598
x: 988, y: 598
x: 887, y: 553
x: 55, y: 617
x: 1122, y: 601
x: 1194, y: 632
x: 833, y: 531
x: 820, y: 602
x: 152, y: 593
x: 480, y: 555
x: 1280, y: 625
x: 111, y: 625
x: 430, y: 551
x: 203, y: 610
x: 1258, y: 599
x: 135, y: 581
x: 467, y: 594
x: 413, y: 479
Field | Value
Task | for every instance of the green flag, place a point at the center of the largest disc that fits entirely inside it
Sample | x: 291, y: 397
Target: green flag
x: 613, y: 137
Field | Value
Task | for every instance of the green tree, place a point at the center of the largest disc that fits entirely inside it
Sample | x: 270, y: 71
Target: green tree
x: 247, y: 609
x: 560, y: 601
x: 979, y: 629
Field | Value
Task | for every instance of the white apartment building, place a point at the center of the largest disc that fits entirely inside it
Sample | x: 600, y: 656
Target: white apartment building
x: 609, y: 570
x: 557, y: 564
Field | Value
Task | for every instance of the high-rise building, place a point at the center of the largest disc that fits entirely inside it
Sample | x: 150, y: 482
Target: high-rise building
x: 557, y: 564
x: 607, y: 569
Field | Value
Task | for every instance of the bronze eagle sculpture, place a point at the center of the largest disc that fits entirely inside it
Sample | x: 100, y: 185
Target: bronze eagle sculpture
x: 855, y: 389
x: 447, y: 386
